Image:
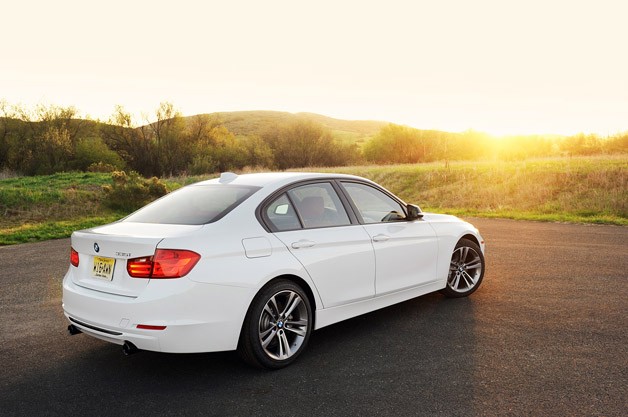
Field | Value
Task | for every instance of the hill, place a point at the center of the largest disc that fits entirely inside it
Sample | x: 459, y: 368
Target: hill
x: 250, y: 123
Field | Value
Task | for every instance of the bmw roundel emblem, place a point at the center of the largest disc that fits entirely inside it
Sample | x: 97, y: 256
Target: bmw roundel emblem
x: 96, y: 247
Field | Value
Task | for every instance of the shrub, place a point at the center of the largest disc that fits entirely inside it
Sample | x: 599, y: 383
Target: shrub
x: 92, y: 151
x: 101, y: 167
x: 130, y: 191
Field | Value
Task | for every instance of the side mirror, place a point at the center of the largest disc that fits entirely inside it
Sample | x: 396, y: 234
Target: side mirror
x: 414, y: 212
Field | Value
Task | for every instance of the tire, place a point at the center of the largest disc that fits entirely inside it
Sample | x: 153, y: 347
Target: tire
x: 277, y: 326
x: 466, y: 269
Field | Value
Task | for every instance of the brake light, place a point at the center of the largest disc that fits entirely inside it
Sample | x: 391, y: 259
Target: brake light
x: 165, y: 263
x: 140, y: 267
x: 74, y: 257
x: 171, y: 263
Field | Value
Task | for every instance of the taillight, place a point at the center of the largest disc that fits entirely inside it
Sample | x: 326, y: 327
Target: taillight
x: 166, y: 263
x: 74, y: 257
x: 140, y: 267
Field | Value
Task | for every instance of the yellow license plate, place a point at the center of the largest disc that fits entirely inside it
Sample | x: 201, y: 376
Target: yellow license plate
x: 103, y: 268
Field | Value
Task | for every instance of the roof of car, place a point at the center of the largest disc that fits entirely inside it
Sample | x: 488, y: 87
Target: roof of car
x: 270, y: 178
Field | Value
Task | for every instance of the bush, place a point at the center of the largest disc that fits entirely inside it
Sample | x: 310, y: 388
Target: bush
x: 130, y: 192
x: 101, y: 167
x: 94, y: 151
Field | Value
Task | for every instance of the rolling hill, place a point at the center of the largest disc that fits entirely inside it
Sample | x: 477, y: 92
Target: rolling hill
x: 248, y: 123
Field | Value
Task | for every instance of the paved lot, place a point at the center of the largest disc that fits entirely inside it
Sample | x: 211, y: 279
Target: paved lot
x: 546, y: 334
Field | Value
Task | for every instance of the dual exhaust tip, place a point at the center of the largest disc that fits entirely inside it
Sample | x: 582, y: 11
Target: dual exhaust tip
x: 128, y: 348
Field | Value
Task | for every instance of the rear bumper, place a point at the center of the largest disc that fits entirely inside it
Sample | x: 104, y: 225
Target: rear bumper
x: 198, y: 317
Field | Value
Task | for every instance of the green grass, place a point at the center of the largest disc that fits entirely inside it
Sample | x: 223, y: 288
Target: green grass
x: 51, y: 229
x: 53, y: 206
x: 577, y: 190
x: 51, y: 197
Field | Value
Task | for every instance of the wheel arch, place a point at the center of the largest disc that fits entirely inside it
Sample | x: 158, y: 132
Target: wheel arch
x: 472, y: 238
x: 306, y: 287
x: 298, y: 281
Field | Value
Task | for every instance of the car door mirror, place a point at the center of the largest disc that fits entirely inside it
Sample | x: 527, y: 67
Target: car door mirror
x: 414, y: 212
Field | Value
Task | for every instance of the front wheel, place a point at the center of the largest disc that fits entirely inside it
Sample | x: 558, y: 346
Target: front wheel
x: 466, y: 269
x: 277, y: 326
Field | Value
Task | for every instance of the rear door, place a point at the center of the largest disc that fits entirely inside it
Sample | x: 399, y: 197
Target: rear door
x: 314, y: 225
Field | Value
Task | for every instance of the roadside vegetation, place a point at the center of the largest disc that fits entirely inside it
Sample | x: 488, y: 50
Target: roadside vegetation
x: 60, y: 172
x: 579, y: 189
x: 53, y: 206
x: 569, y: 189
x: 49, y: 139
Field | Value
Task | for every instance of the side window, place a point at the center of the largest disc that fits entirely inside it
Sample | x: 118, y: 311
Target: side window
x: 318, y: 205
x: 282, y: 215
x: 374, y: 206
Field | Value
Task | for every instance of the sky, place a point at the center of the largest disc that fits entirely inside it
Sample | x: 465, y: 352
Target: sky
x: 502, y: 67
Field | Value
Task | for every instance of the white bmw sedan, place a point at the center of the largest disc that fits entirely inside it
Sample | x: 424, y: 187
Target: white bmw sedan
x: 257, y: 262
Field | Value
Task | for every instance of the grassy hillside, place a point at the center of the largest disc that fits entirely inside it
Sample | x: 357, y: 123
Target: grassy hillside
x: 51, y: 206
x: 45, y: 207
x: 248, y: 123
x: 582, y: 190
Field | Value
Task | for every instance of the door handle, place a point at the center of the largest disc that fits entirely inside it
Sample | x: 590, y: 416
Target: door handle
x: 303, y: 243
x: 380, y: 238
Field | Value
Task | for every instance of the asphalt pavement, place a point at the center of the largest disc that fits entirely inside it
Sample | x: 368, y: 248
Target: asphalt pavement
x: 545, y: 335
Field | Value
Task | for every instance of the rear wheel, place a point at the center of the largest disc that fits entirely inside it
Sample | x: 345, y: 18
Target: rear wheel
x: 277, y: 326
x: 466, y: 269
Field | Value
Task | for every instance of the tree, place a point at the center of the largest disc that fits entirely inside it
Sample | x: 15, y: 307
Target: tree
x: 130, y: 142
x: 7, y: 118
x: 397, y: 144
x: 581, y: 144
x: 616, y: 144
x: 213, y: 147
x: 172, y: 151
x: 42, y: 140
x: 93, y: 151
x: 155, y: 148
x: 305, y: 144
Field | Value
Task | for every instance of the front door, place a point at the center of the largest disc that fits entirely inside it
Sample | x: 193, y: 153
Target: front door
x: 405, y: 251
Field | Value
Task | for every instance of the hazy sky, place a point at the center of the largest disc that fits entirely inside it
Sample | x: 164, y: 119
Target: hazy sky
x: 498, y: 66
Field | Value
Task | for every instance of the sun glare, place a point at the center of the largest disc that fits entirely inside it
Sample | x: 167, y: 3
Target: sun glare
x: 448, y: 66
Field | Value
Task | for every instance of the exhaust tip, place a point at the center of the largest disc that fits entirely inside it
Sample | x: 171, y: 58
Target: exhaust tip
x: 129, y: 348
x: 72, y: 330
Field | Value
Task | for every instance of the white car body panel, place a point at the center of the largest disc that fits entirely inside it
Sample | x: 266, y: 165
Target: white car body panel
x: 450, y: 230
x: 348, y: 271
x: 199, y: 317
x: 406, y: 254
x: 319, y: 250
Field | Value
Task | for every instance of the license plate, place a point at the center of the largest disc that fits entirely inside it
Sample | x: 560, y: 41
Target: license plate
x: 103, y: 268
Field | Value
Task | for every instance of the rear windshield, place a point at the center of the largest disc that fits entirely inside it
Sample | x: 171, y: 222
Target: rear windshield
x: 197, y: 204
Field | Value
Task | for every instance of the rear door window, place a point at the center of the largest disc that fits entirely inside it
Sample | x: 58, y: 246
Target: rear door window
x: 319, y: 205
x: 307, y: 206
x: 282, y: 215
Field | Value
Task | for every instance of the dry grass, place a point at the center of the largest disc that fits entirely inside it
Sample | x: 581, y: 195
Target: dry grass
x: 566, y: 189
x: 583, y: 190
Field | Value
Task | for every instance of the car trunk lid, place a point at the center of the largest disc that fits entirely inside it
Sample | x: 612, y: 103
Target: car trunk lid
x: 103, y: 253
